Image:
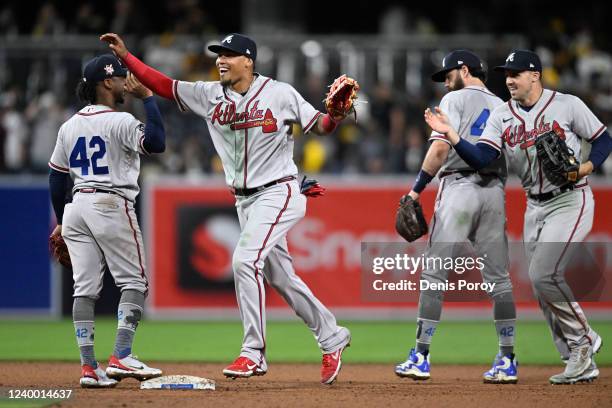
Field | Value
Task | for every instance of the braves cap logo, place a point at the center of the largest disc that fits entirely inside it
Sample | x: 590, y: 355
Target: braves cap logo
x: 510, y: 58
x: 444, y: 61
x: 228, y: 39
x: 109, y: 69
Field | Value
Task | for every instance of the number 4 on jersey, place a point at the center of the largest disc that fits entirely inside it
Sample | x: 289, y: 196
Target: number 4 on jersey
x: 78, y: 157
x: 480, y: 123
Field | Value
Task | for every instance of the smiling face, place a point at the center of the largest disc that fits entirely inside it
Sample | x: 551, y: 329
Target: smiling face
x: 523, y: 86
x: 233, y: 67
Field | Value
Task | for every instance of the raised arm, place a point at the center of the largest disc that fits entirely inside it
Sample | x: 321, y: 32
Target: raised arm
x: 151, y: 78
x: 154, y: 132
x: 339, y: 102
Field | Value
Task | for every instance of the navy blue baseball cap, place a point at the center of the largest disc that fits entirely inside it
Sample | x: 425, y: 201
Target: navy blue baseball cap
x: 102, y: 67
x: 521, y: 60
x: 456, y: 59
x: 238, y: 43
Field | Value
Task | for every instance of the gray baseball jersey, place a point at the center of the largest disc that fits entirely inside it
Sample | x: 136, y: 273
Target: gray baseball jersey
x: 468, y: 110
x: 101, y: 148
x: 550, y: 225
x: 515, y: 130
x: 469, y: 208
x: 251, y: 133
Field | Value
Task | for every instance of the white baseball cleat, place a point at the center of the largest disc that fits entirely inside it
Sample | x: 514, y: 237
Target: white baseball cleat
x: 590, y: 375
x: 503, y: 371
x: 130, y: 366
x: 417, y: 366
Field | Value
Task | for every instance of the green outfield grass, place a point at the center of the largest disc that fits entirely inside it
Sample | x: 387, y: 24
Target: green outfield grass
x: 455, y: 342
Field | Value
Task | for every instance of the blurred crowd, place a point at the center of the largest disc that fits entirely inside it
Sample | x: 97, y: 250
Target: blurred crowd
x: 389, y: 135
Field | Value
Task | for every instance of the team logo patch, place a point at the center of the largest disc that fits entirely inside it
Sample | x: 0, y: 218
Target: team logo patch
x: 109, y: 69
x: 228, y: 39
x: 510, y: 58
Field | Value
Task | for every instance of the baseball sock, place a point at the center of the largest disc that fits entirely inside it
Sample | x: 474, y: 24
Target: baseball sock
x: 430, y: 310
x: 504, y: 313
x: 83, y: 318
x: 129, y: 314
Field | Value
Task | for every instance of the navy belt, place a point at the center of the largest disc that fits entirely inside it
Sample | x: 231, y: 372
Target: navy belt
x: 465, y: 173
x: 245, y: 192
x: 95, y: 190
x: 552, y: 194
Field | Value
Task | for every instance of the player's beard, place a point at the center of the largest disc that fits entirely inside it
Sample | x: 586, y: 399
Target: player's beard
x: 229, y: 82
x: 226, y: 82
x: 120, y: 97
x: 457, y: 84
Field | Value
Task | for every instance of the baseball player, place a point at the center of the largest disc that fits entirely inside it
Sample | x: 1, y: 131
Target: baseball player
x: 557, y: 215
x: 249, y: 117
x: 99, y: 148
x: 480, y: 220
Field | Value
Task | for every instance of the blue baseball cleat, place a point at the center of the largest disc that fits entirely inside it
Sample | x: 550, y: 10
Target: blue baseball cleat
x: 503, y: 371
x: 416, y: 367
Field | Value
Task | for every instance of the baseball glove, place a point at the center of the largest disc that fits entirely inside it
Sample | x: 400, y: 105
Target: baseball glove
x: 409, y: 221
x: 558, y: 161
x: 311, y: 188
x: 59, y: 250
x: 340, y: 99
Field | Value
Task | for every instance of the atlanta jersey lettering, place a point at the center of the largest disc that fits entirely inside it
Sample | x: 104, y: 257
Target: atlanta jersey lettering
x: 99, y: 148
x: 515, y: 130
x: 251, y: 133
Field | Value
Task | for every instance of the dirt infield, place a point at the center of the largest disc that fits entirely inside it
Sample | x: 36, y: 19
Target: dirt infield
x: 297, y: 385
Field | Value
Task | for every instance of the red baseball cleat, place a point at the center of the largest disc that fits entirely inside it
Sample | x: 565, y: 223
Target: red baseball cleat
x: 330, y: 366
x: 95, y: 378
x: 243, y: 367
